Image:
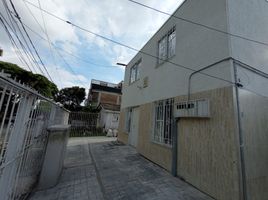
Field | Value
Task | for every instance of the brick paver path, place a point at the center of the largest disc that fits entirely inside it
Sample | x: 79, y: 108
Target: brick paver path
x: 112, y: 171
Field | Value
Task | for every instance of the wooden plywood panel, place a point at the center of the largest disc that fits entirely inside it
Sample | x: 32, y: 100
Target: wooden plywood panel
x: 254, y: 123
x: 207, y: 148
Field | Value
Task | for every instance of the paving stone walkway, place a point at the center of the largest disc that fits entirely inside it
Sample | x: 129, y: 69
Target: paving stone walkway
x: 111, y: 171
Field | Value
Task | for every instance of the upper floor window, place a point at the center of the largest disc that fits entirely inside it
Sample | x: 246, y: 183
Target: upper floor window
x: 135, y: 72
x: 167, y: 46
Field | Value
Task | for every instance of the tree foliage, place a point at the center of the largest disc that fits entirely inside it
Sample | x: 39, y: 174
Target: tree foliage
x: 36, y: 81
x: 71, y: 97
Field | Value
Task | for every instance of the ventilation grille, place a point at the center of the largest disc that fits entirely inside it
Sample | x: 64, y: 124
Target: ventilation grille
x: 193, y: 108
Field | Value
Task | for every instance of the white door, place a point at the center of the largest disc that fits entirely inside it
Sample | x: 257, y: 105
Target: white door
x: 134, y: 127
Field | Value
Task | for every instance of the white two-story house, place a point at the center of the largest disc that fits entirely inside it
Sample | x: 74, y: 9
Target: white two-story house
x: 195, y: 97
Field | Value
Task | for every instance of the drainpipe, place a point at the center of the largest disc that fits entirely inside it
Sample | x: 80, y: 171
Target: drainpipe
x: 174, y: 146
x: 200, y: 71
x: 241, y: 138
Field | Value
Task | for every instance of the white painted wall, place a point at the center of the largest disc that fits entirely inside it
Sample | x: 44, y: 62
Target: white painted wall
x: 107, y: 119
x: 249, y: 19
x: 196, y: 47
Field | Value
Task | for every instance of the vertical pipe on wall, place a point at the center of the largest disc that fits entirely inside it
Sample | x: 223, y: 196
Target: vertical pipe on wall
x: 174, y: 147
x: 240, y: 136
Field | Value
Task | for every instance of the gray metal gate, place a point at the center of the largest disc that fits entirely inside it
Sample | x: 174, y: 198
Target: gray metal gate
x: 84, y: 124
x: 24, y: 117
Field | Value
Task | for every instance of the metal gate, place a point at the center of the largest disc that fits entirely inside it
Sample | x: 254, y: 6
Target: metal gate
x: 24, y: 117
x: 84, y: 124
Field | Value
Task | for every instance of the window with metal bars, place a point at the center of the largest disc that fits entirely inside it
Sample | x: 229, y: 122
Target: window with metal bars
x: 167, y: 46
x: 135, y: 72
x: 163, y: 121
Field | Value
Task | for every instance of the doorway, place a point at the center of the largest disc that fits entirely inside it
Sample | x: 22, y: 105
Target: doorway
x: 134, y: 127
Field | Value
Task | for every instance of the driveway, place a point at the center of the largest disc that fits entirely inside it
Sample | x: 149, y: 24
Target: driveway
x: 111, y: 171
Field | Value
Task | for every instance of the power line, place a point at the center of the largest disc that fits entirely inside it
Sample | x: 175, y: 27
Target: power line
x: 14, y: 44
x: 51, y: 44
x: 24, y: 39
x: 199, y: 24
x: 13, y: 29
x: 124, y: 45
x: 67, y: 52
x: 18, y: 17
x: 50, y: 48
x: 132, y: 48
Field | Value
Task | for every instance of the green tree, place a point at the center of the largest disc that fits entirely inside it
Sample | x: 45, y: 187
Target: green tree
x: 71, y: 97
x: 36, y: 81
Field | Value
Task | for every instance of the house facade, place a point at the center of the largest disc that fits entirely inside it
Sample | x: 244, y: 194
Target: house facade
x: 195, y: 97
x: 104, y: 92
x: 106, y: 97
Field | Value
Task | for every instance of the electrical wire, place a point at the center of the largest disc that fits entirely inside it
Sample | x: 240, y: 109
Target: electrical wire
x: 199, y: 24
x: 13, y: 29
x: 49, y: 43
x: 132, y: 48
x: 30, y: 54
x: 125, y: 45
x: 58, y: 48
x: 36, y: 52
x: 19, y: 54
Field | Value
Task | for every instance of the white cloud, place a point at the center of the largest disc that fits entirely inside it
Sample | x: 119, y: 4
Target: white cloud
x: 120, y: 20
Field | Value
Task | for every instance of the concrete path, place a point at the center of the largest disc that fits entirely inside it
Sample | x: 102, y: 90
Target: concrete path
x: 112, y: 171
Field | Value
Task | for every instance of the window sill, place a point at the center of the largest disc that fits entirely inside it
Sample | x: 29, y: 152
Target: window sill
x: 133, y: 82
x: 165, y: 61
x: 162, y: 144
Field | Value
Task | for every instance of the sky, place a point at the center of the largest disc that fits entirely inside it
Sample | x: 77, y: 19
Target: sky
x: 76, y: 56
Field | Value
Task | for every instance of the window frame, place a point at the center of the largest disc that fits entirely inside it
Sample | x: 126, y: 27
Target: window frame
x: 136, y: 70
x: 169, y: 51
x: 128, y: 120
x: 164, y: 136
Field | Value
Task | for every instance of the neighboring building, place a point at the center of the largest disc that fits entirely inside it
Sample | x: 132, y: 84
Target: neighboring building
x: 104, y: 92
x: 109, y: 116
x: 221, y: 111
x: 107, y: 98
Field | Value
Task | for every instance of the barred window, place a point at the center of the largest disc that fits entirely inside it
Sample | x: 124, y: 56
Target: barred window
x: 135, y: 72
x: 163, y: 121
x: 167, y: 46
x: 171, y: 43
x: 162, y: 50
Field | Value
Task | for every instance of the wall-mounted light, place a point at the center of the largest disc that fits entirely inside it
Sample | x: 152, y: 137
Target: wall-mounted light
x: 122, y: 64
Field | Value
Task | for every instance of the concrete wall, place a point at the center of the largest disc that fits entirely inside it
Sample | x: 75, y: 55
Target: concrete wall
x: 208, y: 148
x: 253, y: 104
x: 196, y: 47
x: 249, y: 19
x: 254, y: 118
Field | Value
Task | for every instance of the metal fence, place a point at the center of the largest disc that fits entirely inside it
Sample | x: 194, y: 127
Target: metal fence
x: 85, y: 124
x: 24, y: 117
